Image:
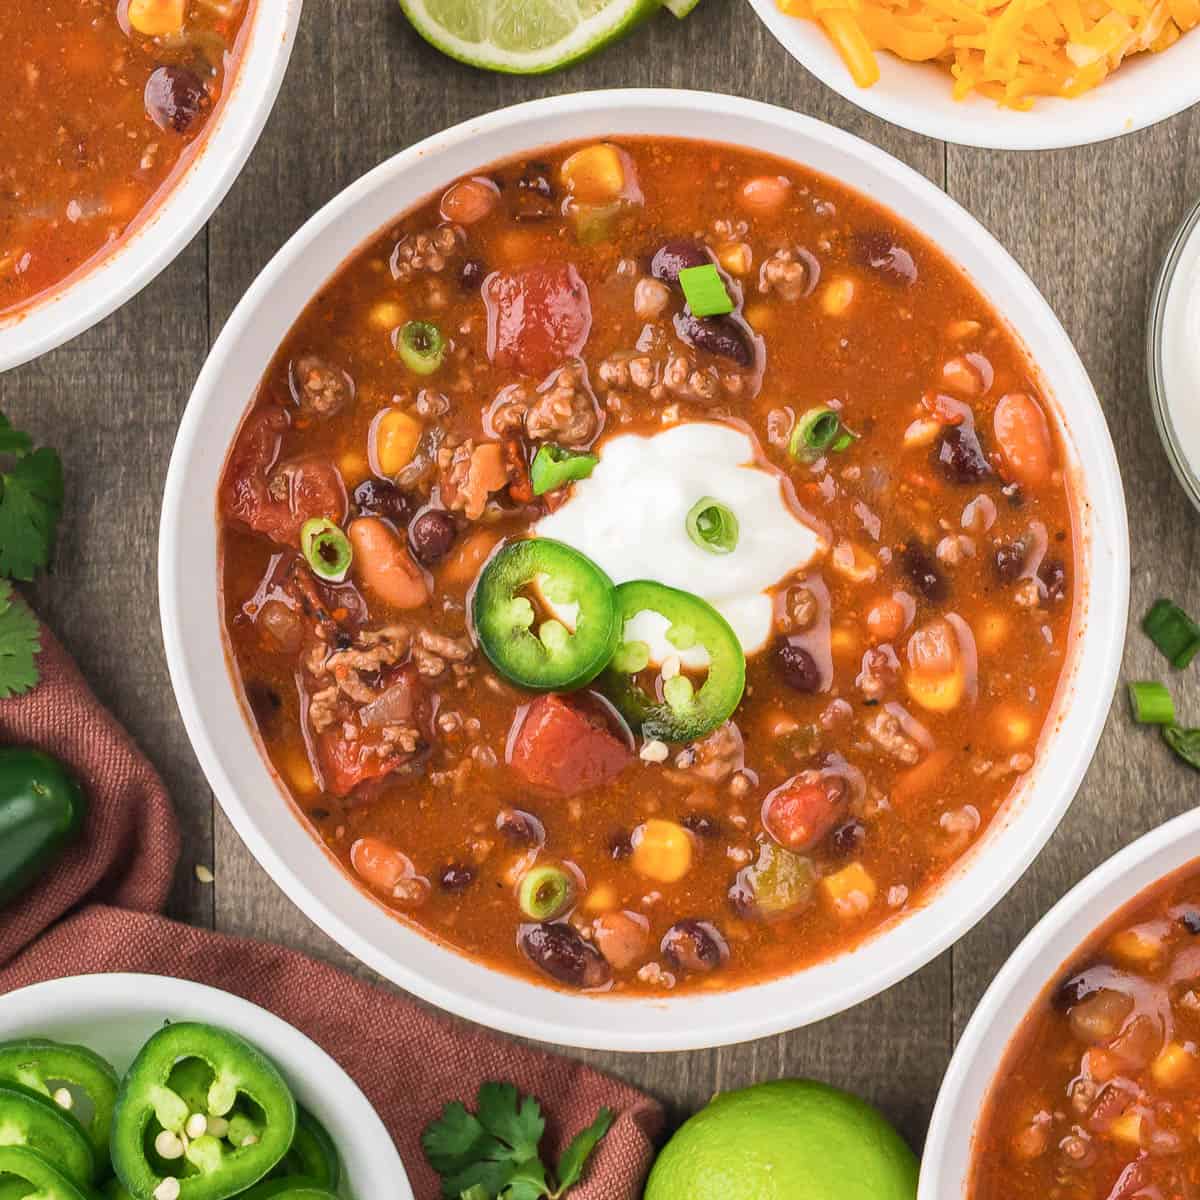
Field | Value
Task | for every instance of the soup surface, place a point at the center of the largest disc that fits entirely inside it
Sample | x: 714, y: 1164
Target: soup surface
x: 846, y: 494
x: 1097, y: 1098
x: 103, y: 99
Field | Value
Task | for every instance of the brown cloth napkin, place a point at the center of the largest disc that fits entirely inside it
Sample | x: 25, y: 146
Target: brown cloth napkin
x: 98, y: 911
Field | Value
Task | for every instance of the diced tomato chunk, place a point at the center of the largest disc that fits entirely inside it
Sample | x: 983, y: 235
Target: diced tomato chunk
x: 347, y: 765
x: 799, y: 814
x: 536, y: 317
x: 561, y: 749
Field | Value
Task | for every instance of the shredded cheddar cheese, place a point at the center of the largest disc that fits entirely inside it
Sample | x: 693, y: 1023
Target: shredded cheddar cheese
x: 1009, y: 50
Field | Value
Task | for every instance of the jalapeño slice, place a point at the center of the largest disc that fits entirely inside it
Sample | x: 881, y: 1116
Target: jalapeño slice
x: 680, y: 709
x: 546, y: 615
x: 35, y: 1122
x: 20, y: 1165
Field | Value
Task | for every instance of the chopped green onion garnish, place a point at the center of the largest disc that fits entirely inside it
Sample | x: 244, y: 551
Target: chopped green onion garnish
x: 1152, y: 704
x: 421, y: 347
x: 817, y: 430
x: 545, y: 893
x: 1185, y: 743
x: 713, y: 526
x: 554, y: 466
x: 704, y: 291
x: 326, y: 549
x: 1173, y: 632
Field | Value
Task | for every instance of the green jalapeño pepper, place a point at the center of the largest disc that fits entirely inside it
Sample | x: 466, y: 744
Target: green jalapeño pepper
x: 38, y: 1124
x: 20, y: 1165
x: 313, y: 1156
x: 678, y: 711
x: 556, y: 466
x: 182, y: 1132
x: 42, y: 809
x: 59, y: 1072
x: 295, y: 1187
x: 546, y: 615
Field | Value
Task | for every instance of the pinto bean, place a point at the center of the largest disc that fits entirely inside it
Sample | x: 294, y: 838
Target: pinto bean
x: 695, y: 946
x: 383, y: 565
x: 469, y: 200
x: 560, y: 951
x: 1024, y: 439
x: 764, y: 195
x: 621, y: 937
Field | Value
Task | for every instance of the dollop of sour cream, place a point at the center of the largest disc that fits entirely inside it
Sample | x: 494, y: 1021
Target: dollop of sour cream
x: 630, y: 517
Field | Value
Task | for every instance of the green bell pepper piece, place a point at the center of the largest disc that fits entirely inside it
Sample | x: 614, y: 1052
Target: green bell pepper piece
x: 38, y: 1124
x: 242, y: 1094
x: 42, y: 810
x: 20, y: 1165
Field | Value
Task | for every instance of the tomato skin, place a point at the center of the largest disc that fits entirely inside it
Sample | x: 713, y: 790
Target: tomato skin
x: 1024, y: 439
x: 558, y: 748
x: 799, y: 814
x: 536, y: 317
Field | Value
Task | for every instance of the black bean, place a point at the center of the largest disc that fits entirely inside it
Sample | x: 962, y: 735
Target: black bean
x: 265, y: 703
x: 677, y: 255
x: 919, y: 565
x: 959, y: 456
x: 560, y: 952
x: 848, y: 838
x: 1053, y: 575
x: 1009, y: 559
x: 798, y: 668
x: 620, y: 845
x: 534, y: 200
x: 701, y: 824
x: 1074, y: 990
x: 379, y: 498
x: 1190, y: 920
x: 456, y: 878
x: 174, y: 98
x: 521, y: 827
x: 694, y: 946
x: 432, y: 535
x: 881, y: 253
x: 472, y: 274
x: 727, y: 336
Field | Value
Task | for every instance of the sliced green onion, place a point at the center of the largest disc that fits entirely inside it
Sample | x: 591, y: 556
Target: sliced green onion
x: 326, y: 549
x: 555, y: 466
x: 817, y: 430
x: 545, y: 893
x: 713, y: 526
x: 1173, y: 632
x: 1152, y: 704
x: 704, y: 291
x: 1185, y: 743
x: 421, y: 347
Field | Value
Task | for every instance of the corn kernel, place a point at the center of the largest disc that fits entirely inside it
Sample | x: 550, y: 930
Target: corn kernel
x: 298, y: 771
x: 602, y: 898
x: 837, y: 296
x: 850, y: 891
x: 595, y: 174
x: 963, y: 329
x: 1016, y: 727
x: 387, y: 314
x: 156, y: 18
x: 1136, y: 947
x: 354, y: 468
x: 394, y: 439
x: 736, y: 257
x: 1173, y: 1066
x: 1127, y: 1128
x: 937, y: 693
x: 853, y: 562
x: 662, y: 850
x: 758, y: 316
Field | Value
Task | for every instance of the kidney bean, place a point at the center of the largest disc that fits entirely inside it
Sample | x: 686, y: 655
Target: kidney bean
x: 174, y: 98
x: 379, y: 498
x: 920, y: 567
x: 1009, y: 560
x: 620, y: 845
x: 959, y: 456
x: 456, y: 878
x: 521, y: 827
x: 797, y: 666
x: 726, y: 336
x: 432, y: 535
x: 675, y: 256
x: 695, y: 946
x: 879, y: 252
x: 559, y: 951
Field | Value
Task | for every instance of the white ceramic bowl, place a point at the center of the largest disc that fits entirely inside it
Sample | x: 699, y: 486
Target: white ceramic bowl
x: 154, y: 244
x: 229, y: 752
x: 1047, y: 951
x: 1146, y: 89
x: 115, y: 1015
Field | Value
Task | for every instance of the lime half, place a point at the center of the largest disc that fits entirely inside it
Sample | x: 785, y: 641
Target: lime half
x: 525, y: 37
x: 679, y: 8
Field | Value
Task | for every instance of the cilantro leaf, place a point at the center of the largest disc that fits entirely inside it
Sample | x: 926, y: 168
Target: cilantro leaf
x: 20, y: 644
x: 31, y: 500
x: 492, y: 1154
x: 574, y: 1157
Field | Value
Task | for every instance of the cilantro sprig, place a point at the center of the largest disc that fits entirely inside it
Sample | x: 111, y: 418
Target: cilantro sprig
x: 493, y: 1153
x: 31, y: 500
x: 20, y: 644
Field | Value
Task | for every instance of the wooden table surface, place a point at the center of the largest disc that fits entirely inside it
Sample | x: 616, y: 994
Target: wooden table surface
x: 1090, y: 226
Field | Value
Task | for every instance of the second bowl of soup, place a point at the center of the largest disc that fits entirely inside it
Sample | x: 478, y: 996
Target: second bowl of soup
x: 650, y: 567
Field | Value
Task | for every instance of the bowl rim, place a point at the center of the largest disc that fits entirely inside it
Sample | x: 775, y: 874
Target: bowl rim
x: 1054, y: 124
x: 472, y: 992
x: 143, y: 994
x: 1029, y: 970
x: 162, y: 233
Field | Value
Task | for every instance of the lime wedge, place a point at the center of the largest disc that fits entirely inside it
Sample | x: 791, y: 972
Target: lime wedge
x: 679, y: 8
x: 526, y: 37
